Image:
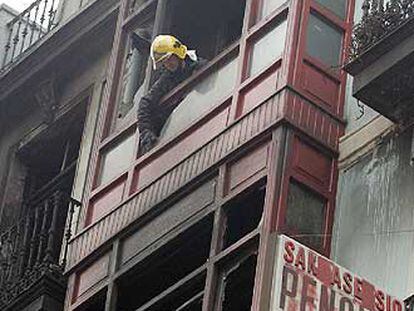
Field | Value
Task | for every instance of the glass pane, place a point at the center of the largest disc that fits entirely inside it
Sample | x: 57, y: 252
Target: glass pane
x: 305, y: 215
x: 268, y: 6
x: 202, y: 98
x: 134, y: 74
x: 267, y: 49
x: 336, y: 6
x: 323, y: 41
x: 117, y: 159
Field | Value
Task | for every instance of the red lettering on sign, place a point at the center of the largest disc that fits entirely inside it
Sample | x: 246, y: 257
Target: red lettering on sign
x: 324, y: 271
x: 396, y: 306
x: 368, y: 295
x: 289, y: 248
x: 300, y: 259
x: 347, y: 286
x: 308, y: 293
x: 379, y: 300
x: 336, y: 277
x: 312, y: 268
x: 358, y: 288
x: 323, y: 302
x: 288, y: 274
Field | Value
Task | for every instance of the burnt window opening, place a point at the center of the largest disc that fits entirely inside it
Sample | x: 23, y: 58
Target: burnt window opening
x: 51, y: 157
x: 167, y: 266
x: 305, y: 215
x: 243, y: 215
x: 237, y: 284
x: 206, y: 26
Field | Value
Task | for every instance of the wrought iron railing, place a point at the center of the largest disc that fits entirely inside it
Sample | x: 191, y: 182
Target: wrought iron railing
x: 36, y: 246
x: 380, y: 17
x: 26, y: 29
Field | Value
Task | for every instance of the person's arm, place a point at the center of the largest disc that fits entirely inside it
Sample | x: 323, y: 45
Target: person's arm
x: 148, y: 111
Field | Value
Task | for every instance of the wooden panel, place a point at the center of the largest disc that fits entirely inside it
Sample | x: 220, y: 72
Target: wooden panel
x: 321, y: 86
x: 313, y: 121
x: 245, y: 168
x: 104, y: 203
x: 164, y: 223
x: 222, y: 146
x: 312, y: 163
x: 91, y: 275
x: 181, y: 150
x: 257, y: 92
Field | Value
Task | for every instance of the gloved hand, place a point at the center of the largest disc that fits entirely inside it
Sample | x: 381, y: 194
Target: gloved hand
x: 147, y: 140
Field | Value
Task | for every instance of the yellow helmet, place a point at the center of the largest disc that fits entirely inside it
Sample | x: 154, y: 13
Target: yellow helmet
x: 164, y: 46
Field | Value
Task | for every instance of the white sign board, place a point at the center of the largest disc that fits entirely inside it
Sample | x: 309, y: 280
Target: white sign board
x: 306, y: 281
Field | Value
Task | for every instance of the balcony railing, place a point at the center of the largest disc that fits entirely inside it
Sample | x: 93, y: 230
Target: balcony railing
x: 380, y: 17
x: 26, y: 29
x: 36, y: 246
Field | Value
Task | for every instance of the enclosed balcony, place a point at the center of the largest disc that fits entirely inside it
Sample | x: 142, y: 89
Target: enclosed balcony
x: 382, y: 58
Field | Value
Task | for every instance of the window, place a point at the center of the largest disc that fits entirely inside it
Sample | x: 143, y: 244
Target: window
x: 96, y: 303
x: 132, y: 81
x: 117, y: 159
x: 324, y: 41
x: 336, y: 6
x: 243, y: 216
x: 174, y: 275
x: 267, y: 49
x: 268, y: 6
x: 202, y: 98
x: 167, y: 266
x: 305, y: 216
x: 237, y: 283
x: 207, y: 26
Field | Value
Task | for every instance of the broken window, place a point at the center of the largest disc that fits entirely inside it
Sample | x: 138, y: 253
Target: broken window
x: 237, y: 284
x: 243, y: 215
x: 51, y: 156
x: 207, y: 26
x: 305, y: 216
x: 167, y: 267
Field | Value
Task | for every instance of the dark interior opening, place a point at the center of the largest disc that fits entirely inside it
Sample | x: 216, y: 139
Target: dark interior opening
x: 166, y: 266
x: 243, y: 215
x: 189, y: 297
x: 206, y: 26
x: 96, y: 303
x: 53, y: 154
x: 238, y: 286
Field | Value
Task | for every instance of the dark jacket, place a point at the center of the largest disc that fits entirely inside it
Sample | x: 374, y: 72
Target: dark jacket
x: 152, y: 115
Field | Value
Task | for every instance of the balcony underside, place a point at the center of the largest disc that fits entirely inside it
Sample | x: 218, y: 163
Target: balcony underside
x: 384, y: 75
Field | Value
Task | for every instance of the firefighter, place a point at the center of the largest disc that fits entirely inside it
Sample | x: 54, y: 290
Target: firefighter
x: 176, y: 64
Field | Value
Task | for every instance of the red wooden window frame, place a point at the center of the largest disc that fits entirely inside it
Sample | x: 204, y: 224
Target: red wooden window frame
x: 125, y: 23
x: 307, y: 7
x: 292, y: 174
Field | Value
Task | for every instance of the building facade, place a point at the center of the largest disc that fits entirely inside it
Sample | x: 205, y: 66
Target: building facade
x: 254, y: 150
